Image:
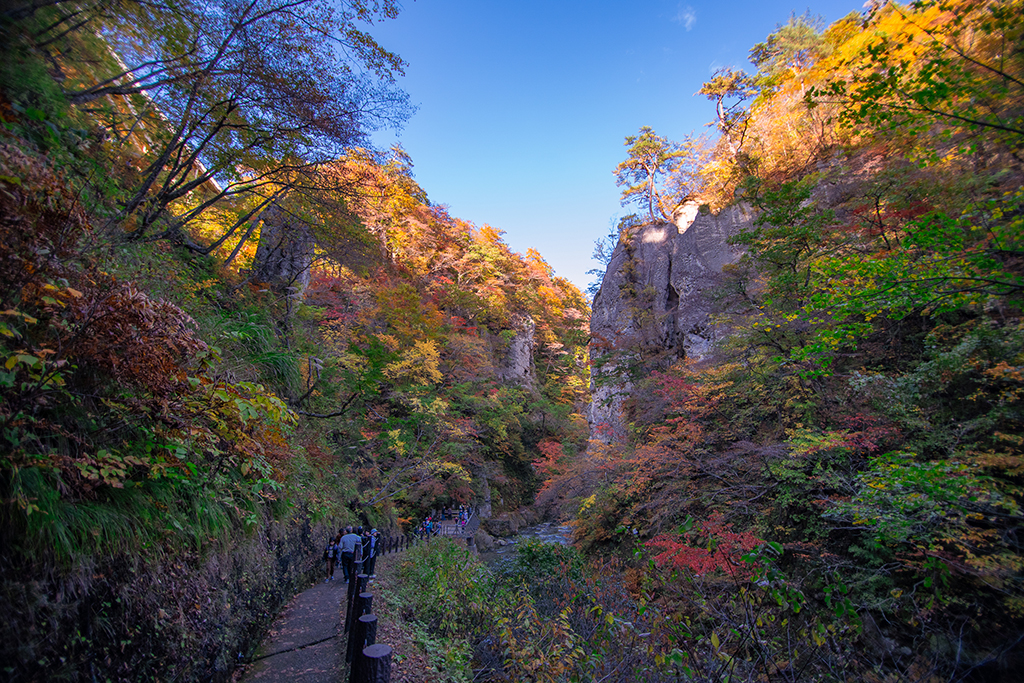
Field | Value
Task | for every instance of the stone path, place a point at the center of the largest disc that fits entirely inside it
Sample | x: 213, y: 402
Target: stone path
x: 304, y: 644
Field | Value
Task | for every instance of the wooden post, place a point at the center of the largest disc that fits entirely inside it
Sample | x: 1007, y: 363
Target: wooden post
x: 367, y: 667
x: 366, y: 603
x: 378, y: 663
x: 368, y: 623
x: 363, y: 605
x: 348, y: 595
x: 354, y: 589
x: 374, y: 665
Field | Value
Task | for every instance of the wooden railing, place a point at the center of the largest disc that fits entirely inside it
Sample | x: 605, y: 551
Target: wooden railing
x: 368, y: 660
x: 453, y: 529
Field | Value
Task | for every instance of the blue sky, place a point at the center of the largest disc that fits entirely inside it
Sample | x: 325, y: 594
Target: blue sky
x: 524, y: 104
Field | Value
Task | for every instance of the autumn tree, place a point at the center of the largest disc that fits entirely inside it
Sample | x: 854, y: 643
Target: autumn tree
x: 790, y: 50
x: 223, y: 101
x: 958, y: 66
x: 729, y: 89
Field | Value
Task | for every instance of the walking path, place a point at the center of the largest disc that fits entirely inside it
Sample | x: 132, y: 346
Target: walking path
x: 307, y: 644
x: 304, y: 644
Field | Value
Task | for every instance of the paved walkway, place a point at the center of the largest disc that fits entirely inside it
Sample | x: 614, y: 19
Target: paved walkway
x: 304, y: 644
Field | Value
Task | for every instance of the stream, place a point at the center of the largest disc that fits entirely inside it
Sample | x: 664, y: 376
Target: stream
x: 546, y: 532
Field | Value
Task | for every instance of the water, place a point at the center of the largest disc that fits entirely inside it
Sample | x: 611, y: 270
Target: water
x: 547, y: 532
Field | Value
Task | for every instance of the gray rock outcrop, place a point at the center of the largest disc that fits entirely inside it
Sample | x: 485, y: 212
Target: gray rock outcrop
x: 516, y: 365
x: 654, y: 302
x: 284, y: 253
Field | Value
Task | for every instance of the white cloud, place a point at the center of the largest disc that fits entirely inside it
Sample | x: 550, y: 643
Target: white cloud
x: 685, y: 16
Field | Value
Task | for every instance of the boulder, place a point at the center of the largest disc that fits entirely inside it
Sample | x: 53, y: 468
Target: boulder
x: 502, y: 526
x: 483, y: 541
x: 529, y: 516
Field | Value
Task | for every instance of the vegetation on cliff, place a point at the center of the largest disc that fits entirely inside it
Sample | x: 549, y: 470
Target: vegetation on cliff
x: 854, y: 448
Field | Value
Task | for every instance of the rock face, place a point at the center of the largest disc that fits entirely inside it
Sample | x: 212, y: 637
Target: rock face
x: 517, y: 364
x: 284, y: 253
x: 654, y: 300
x: 190, y: 614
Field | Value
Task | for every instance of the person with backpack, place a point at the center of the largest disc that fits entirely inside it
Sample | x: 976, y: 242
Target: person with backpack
x: 331, y: 554
x: 371, y: 556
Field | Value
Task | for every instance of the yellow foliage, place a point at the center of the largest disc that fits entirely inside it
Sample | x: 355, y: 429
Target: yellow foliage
x: 539, y: 650
x: 450, y: 470
x: 418, y: 364
x: 390, y: 343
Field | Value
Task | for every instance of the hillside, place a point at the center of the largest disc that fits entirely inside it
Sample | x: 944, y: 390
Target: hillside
x: 229, y: 328
x: 808, y: 346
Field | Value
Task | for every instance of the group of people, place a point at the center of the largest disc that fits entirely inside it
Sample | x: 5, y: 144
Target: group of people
x: 350, y: 547
x: 356, y: 545
x: 428, y: 528
x: 461, y: 515
x: 431, y: 527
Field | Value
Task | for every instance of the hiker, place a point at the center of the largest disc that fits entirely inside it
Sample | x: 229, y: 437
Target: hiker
x: 364, y: 539
x: 371, y: 553
x: 331, y: 555
x: 349, y: 542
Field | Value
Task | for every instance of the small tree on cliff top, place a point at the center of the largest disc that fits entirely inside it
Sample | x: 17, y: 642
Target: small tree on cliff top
x: 660, y: 175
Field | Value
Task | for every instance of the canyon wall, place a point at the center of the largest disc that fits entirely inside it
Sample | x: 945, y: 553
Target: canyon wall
x: 656, y: 301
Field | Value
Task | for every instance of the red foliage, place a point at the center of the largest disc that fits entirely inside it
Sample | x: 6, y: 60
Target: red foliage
x: 716, y: 547
x: 552, y: 452
x: 133, y: 338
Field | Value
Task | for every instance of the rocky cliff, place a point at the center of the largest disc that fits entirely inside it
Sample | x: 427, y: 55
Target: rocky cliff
x: 285, y: 252
x: 515, y: 361
x: 654, y: 305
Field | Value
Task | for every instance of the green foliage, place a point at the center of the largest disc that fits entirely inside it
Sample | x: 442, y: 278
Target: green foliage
x: 451, y: 596
x: 448, y: 589
x: 951, y: 65
x: 756, y: 627
x: 658, y: 174
x: 537, y: 565
x: 791, y: 50
x: 904, y: 501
